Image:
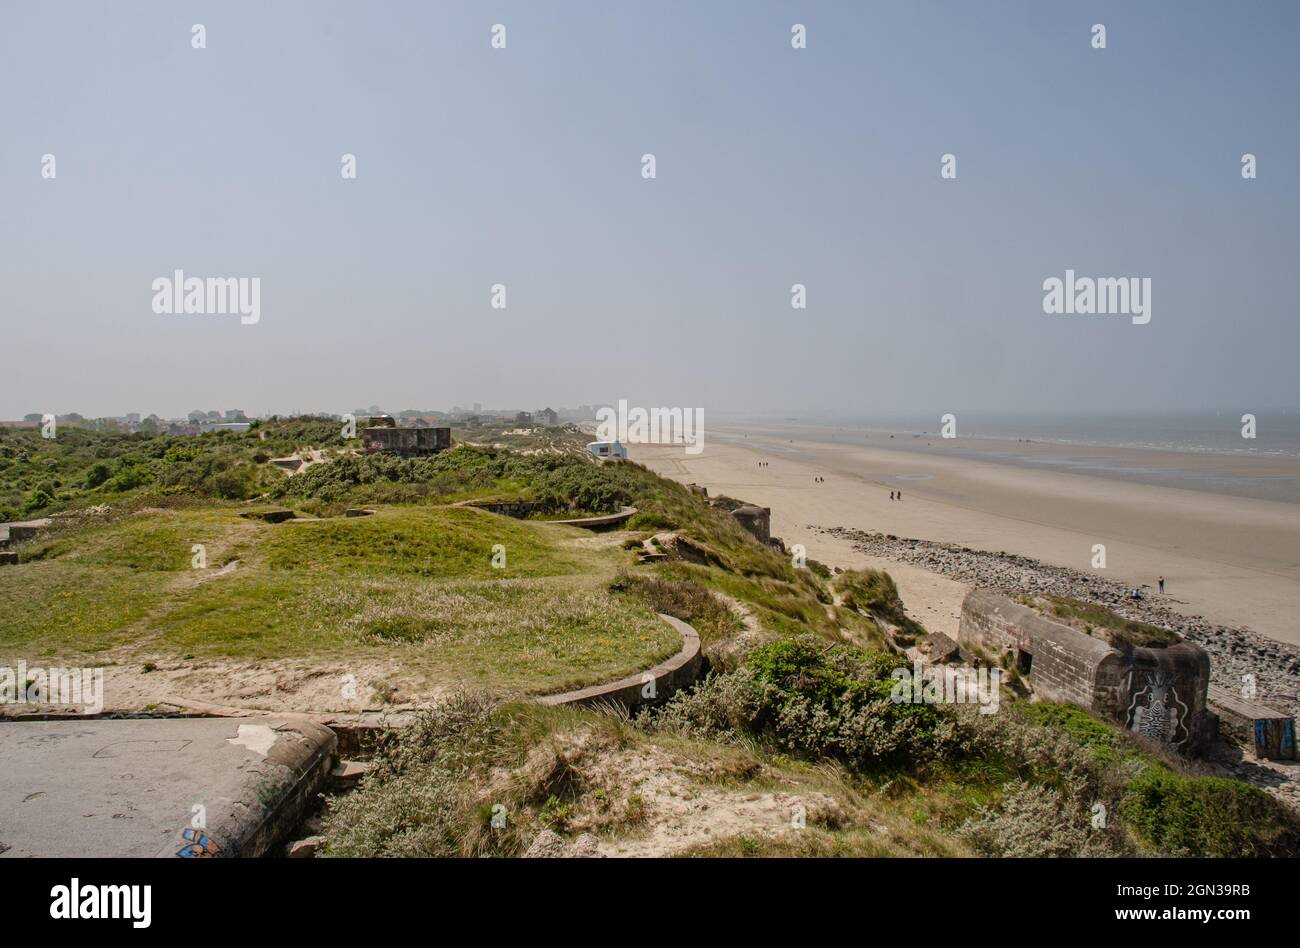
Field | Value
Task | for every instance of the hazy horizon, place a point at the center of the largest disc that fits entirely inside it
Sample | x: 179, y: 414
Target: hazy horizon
x: 775, y: 166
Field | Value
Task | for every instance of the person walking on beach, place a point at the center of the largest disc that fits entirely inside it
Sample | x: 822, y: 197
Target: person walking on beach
x: 1161, y: 581
x: 891, y: 495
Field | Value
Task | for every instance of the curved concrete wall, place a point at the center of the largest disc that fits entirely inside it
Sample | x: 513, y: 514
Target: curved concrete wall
x: 604, y: 520
x: 635, y: 690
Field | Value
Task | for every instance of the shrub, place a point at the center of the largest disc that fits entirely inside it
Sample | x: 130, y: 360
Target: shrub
x: 1035, y: 821
x: 415, y: 801
x: 129, y: 478
x: 682, y: 599
x: 1208, y: 816
x: 97, y: 474
x: 827, y: 702
x: 38, y: 499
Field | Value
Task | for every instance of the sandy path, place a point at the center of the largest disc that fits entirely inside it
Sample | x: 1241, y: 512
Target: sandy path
x: 1234, y: 560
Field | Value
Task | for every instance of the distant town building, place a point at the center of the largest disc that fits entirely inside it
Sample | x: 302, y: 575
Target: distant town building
x: 548, y: 418
x: 524, y: 418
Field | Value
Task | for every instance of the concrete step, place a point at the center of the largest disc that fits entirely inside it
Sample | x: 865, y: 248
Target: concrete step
x: 348, y: 773
x: 190, y: 787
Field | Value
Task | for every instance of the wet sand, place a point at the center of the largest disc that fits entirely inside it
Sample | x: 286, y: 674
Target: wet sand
x: 1233, y: 559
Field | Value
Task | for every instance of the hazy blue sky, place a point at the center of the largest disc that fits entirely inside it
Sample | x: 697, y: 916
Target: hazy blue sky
x: 522, y: 166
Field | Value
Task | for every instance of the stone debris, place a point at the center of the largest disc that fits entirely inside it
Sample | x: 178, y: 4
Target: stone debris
x: 348, y: 773
x: 1234, y: 652
x: 549, y: 844
x: 304, y: 848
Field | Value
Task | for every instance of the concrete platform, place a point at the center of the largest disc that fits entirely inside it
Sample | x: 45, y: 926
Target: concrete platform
x: 190, y: 787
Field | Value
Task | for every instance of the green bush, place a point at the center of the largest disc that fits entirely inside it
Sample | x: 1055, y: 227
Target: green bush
x: 818, y: 701
x: 415, y: 800
x: 38, y: 499
x: 1208, y: 816
x: 97, y: 474
x: 129, y: 478
x: 683, y: 599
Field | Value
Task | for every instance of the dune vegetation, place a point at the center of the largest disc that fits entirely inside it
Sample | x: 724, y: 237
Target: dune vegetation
x: 789, y: 745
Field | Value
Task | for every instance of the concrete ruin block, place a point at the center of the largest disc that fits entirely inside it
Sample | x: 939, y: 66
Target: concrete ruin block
x: 939, y: 648
x: 348, y: 773
x: 1275, y: 738
x: 253, y: 779
x: 21, y: 532
x: 1160, y: 693
x: 757, y: 520
x: 406, y: 442
x: 304, y: 848
x: 547, y: 844
x: 1269, y: 732
x: 268, y: 516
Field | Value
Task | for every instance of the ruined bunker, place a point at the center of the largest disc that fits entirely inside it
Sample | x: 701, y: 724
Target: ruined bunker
x: 406, y: 442
x: 1159, y: 693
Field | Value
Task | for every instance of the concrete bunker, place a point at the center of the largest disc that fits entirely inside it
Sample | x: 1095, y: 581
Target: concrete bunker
x: 1160, y: 693
x: 405, y: 442
x: 757, y: 520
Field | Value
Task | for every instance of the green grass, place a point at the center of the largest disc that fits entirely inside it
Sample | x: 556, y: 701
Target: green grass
x: 538, y: 635
x: 872, y: 591
x: 434, y: 542
x: 1099, y: 621
x: 157, y: 541
x: 417, y: 583
x: 68, y: 610
x: 1208, y: 817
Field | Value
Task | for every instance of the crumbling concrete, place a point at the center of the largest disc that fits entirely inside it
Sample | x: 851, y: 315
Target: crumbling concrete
x: 757, y: 520
x: 1269, y: 732
x: 189, y: 787
x: 651, y: 686
x: 1159, y: 693
x: 406, y: 442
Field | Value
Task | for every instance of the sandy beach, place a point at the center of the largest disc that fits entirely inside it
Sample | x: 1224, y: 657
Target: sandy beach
x: 1233, y: 559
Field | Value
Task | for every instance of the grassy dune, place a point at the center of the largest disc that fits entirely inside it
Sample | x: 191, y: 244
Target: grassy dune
x: 413, y: 582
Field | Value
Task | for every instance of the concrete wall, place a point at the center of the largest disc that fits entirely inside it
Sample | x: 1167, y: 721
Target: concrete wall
x: 1159, y: 693
x: 757, y: 520
x: 1064, y: 665
x: 519, y: 509
x: 652, y: 686
x: 409, y: 442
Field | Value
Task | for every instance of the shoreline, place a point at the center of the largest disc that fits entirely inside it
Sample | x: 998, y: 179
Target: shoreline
x: 1232, y: 560
x: 1233, y: 652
